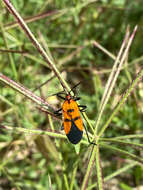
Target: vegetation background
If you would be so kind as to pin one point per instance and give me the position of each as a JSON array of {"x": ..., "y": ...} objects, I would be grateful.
[{"x": 68, "y": 29}]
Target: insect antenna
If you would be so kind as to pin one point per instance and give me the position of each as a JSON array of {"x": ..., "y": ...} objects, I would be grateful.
[{"x": 75, "y": 86}]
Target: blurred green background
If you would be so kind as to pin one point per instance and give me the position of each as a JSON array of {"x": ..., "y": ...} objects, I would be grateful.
[{"x": 68, "y": 29}]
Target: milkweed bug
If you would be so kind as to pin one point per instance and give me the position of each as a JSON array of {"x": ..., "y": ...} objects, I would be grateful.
[{"x": 72, "y": 122}]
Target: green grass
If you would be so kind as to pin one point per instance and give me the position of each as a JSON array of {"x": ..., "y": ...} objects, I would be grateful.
[{"x": 68, "y": 42}]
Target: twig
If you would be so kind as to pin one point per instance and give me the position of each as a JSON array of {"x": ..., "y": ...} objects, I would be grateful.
[{"x": 36, "y": 43}]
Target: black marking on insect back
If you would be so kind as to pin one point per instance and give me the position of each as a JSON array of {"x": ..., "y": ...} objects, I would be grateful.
[
  {"x": 67, "y": 120},
  {"x": 76, "y": 118},
  {"x": 74, "y": 135},
  {"x": 76, "y": 98},
  {"x": 70, "y": 110}
]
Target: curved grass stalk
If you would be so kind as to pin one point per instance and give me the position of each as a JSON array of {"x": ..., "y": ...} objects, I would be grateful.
[
  {"x": 131, "y": 144},
  {"x": 129, "y": 136},
  {"x": 99, "y": 170}
]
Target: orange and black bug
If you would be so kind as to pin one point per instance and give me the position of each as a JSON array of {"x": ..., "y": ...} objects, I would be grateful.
[{"x": 72, "y": 122}]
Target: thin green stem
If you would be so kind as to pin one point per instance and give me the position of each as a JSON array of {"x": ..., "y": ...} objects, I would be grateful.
[
  {"x": 123, "y": 152},
  {"x": 31, "y": 131},
  {"x": 73, "y": 177},
  {"x": 66, "y": 182},
  {"x": 124, "y": 142},
  {"x": 35, "y": 132},
  {"x": 10, "y": 58},
  {"x": 127, "y": 137},
  {"x": 89, "y": 168},
  {"x": 99, "y": 170}
]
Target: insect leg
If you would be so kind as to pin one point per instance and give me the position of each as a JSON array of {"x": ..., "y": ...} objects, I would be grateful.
[
  {"x": 62, "y": 127},
  {"x": 74, "y": 86},
  {"x": 88, "y": 136},
  {"x": 61, "y": 96},
  {"x": 83, "y": 108},
  {"x": 76, "y": 98},
  {"x": 57, "y": 112}
]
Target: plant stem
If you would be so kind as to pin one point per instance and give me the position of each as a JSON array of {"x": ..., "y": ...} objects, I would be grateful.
[{"x": 36, "y": 43}]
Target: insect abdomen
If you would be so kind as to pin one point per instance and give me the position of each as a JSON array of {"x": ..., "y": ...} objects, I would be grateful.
[{"x": 74, "y": 135}]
